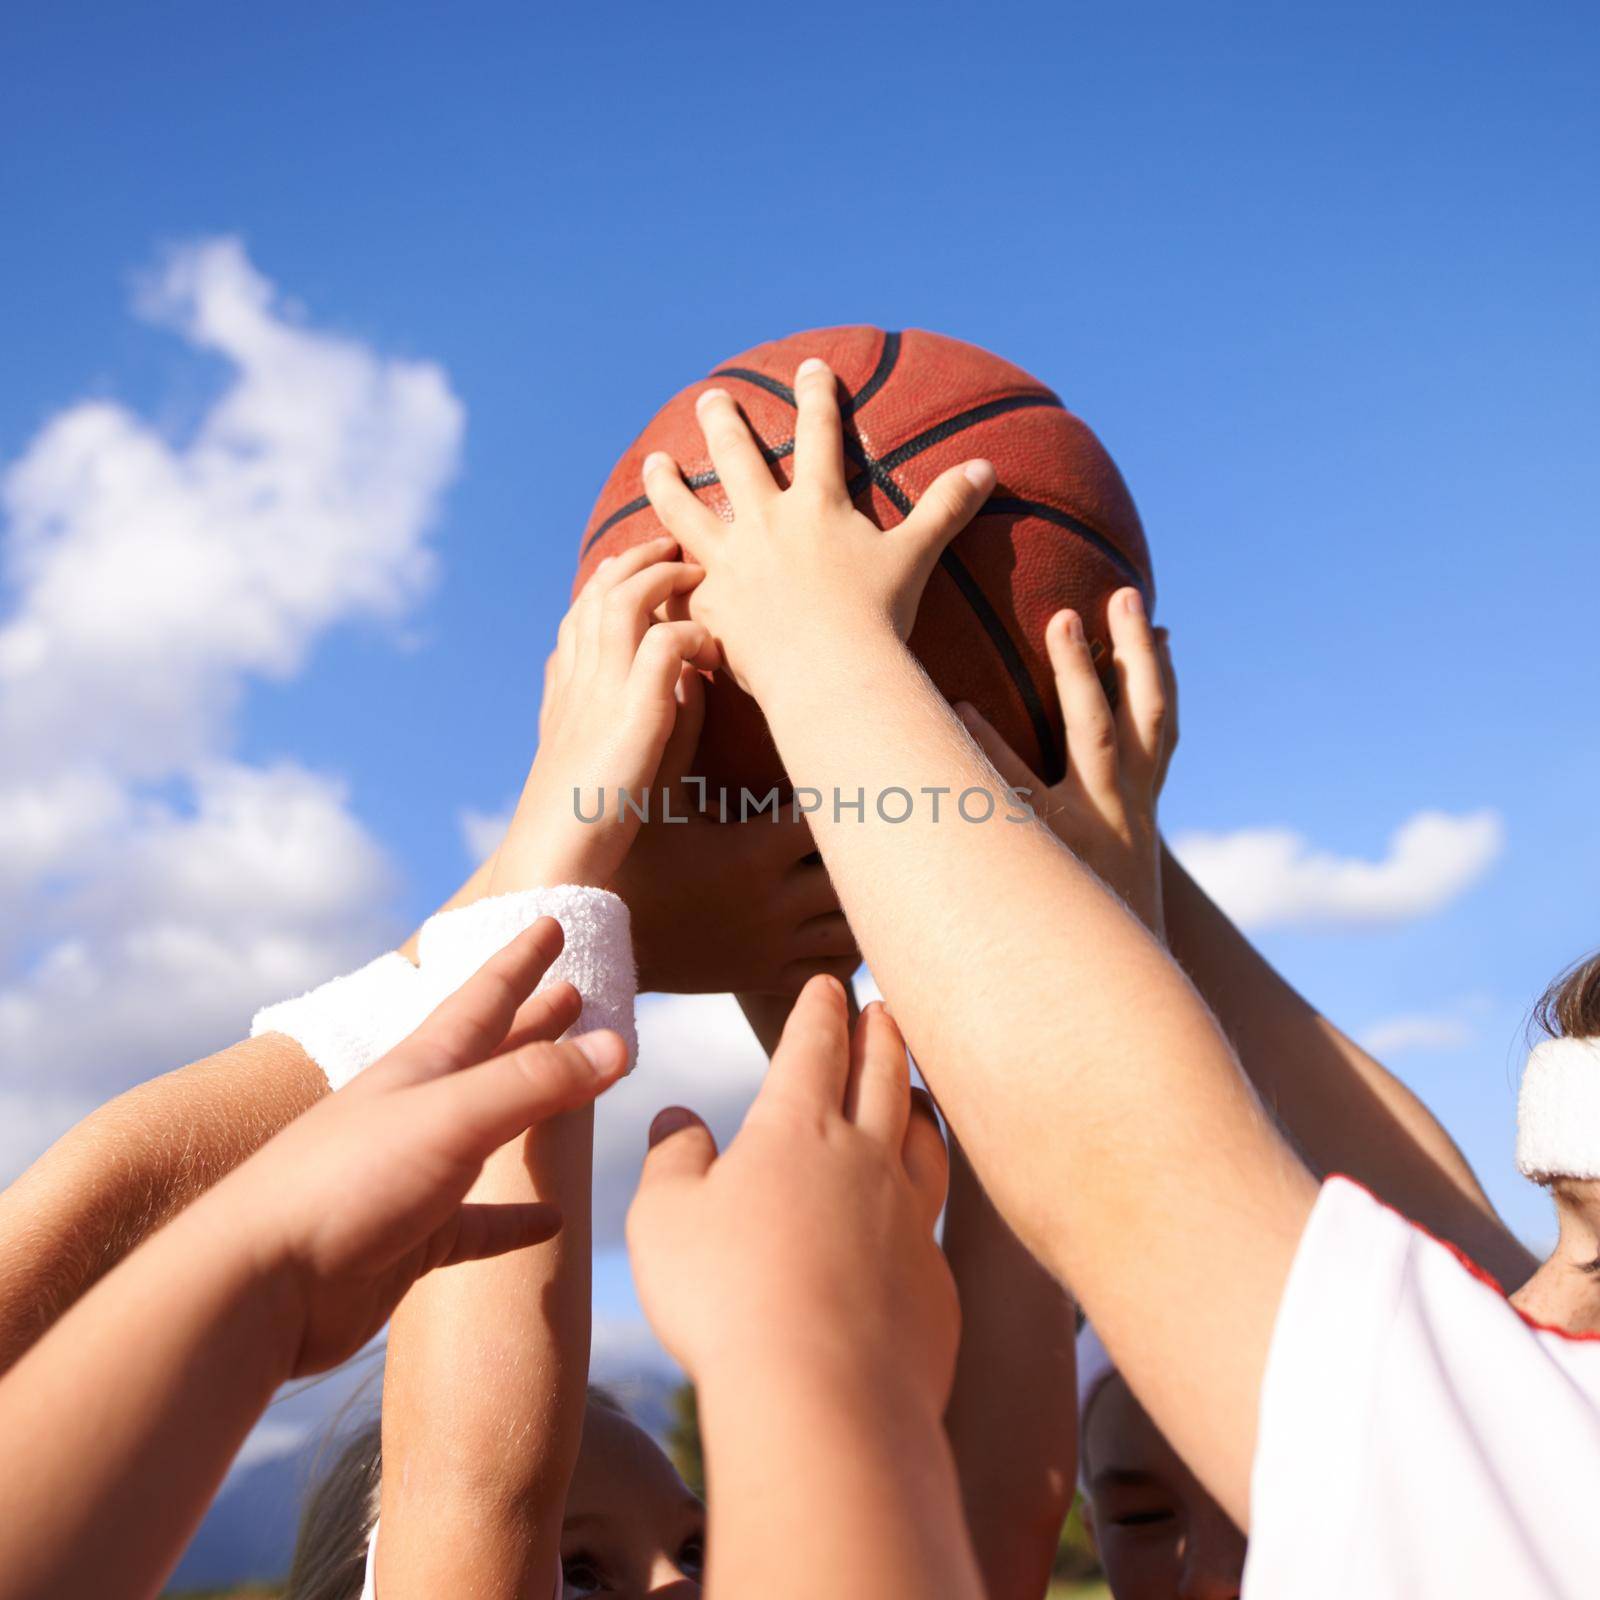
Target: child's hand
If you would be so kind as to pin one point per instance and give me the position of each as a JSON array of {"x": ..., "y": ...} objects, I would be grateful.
[
  {"x": 811, "y": 1240},
  {"x": 801, "y": 565},
  {"x": 737, "y": 907},
  {"x": 361, "y": 1195},
  {"x": 1104, "y": 809},
  {"x": 609, "y": 705}
]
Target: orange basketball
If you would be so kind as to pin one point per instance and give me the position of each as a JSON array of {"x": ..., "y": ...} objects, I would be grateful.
[{"x": 1059, "y": 530}]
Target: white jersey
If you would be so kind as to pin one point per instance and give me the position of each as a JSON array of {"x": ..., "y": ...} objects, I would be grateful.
[{"x": 1418, "y": 1436}]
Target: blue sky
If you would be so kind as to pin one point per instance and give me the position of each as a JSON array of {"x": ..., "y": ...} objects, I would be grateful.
[{"x": 1323, "y": 282}]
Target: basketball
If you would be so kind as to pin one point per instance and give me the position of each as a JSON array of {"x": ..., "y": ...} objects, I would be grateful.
[{"x": 1059, "y": 530}]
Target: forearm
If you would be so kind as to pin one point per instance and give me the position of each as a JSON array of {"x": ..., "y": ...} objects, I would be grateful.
[
  {"x": 484, "y": 1392},
  {"x": 132, "y": 1165},
  {"x": 1060, "y": 1039},
  {"x": 1012, "y": 1418},
  {"x": 129, "y": 1412},
  {"x": 851, "y": 1469},
  {"x": 1343, "y": 1109}
]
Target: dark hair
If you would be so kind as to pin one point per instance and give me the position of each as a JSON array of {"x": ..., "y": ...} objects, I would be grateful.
[
  {"x": 330, "y": 1551},
  {"x": 1570, "y": 1007}
]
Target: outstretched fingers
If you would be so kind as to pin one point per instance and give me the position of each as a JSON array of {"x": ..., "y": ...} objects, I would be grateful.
[
  {"x": 681, "y": 512},
  {"x": 947, "y": 505},
  {"x": 878, "y": 1099},
  {"x": 476, "y": 1112},
  {"x": 1086, "y": 713},
  {"x": 1142, "y": 704},
  {"x": 811, "y": 1065},
  {"x": 471, "y": 1024},
  {"x": 818, "y": 430},
  {"x": 734, "y": 450},
  {"x": 926, "y": 1156}
]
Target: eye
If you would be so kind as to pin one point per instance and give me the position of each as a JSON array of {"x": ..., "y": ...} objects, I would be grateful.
[
  {"x": 580, "y": 1576},
  {"x": 1155, "y": 1518},
  {"x": 691, "y": 1556}
]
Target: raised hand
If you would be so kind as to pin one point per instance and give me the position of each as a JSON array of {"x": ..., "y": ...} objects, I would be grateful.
[
  {"x": 1104, "y": 807},
  {"x": 810, "y": 1242},
  {"x": 611, "y": 699},
  {"x": 801, "y": 561},
  {"x": 361, "y": 1195}
]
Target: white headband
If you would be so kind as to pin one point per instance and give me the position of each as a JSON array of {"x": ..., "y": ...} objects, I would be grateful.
[{"x": 1558, "y": 1111}]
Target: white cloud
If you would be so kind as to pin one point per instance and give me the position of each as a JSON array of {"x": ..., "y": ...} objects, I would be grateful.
[
  {"x": 152, "y": 576},
  {"x": 1416, "y": 1031},
  {"x": 158, "y": 889},
  {"x": 1273, "y": 877},
  {"x": 695, "y": 1051},
  {"x": 182, "y": 924},
  {"x": 482, "y": 831}
]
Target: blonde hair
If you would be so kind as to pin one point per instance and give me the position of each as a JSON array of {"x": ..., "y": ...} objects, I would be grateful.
[{"x": 330, "y": 1551}]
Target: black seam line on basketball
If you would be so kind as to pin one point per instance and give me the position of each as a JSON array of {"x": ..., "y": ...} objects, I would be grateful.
[
  {"x": 878, "y": 472},
  {"x": 1052, "y": 763},
  {"x": 698, "y": 480},
  {"x": 1063, "y": 519},
  {"x": 887, "y": 357},
  {"x": 959, "y": 423},
  {"x": 760, "y": 380},
  {"x": 989, "y": 620}
]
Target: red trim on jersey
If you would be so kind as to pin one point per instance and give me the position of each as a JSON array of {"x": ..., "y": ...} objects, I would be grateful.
[{"x": 1488, "y": 1279}]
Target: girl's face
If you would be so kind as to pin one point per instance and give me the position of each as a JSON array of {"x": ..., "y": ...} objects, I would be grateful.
[
  {"x": 631, "y": 1529},
  {"x": 1159, "y": 1534},
  {"x": 1565, "y": 1291}
]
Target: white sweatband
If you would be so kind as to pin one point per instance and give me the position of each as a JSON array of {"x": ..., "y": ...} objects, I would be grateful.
[
  {"x": 1095, "y": 1366},
  {"x": 596, "y": 958},
  {"x": 1558, "y": 1111},
  {"x": 346, "y": 1024}
]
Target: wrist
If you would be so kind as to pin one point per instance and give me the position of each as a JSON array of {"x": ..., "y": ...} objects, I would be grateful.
[
  {"x": 258, "y": 1283},
  {"x": 797, "y": 672},
  {"x": 801, "y": 1370}
]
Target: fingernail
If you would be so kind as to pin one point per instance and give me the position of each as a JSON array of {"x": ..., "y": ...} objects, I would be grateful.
[
  {"x": 1074, "y": 627},
  {"x": 1133, "y": 602},
  {"x": 601, "y": 1050},
  {"x": 709, "y": 394},
  {"x": 980, "y": 474},
  {"x": 671, "y": 1120},
  {"x": 965, "y": 710},
  {"x": 809, "y": 365},
  {"x": 656, "y": 458}
]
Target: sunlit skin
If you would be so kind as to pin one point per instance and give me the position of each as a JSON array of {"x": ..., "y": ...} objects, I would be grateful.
[
  {"x": 1565, "y": 1291},
  {"x": 631, "y": 1527},
  {"x": 1159, "y": 1534}
]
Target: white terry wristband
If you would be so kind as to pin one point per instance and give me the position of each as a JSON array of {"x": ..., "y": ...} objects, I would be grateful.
[
  {"x": 347, "y": 1023},
  {"x": 596, "y": 959}
]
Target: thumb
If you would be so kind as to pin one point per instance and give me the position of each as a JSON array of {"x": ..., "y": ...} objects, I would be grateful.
[
  {"x": 947, "y": 505},
  {"x": 681, "y": 1148}
]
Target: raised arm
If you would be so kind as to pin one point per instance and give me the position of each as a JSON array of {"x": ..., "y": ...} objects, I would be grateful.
[
  {"x": 1098, "y": 1099},
  {"x": 487, "y": 1368},
  {"x": 129, "y": 1411},
  {"x": 797, "y": 1280},
  {"x": 1345, "y": 1110}
]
